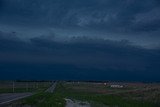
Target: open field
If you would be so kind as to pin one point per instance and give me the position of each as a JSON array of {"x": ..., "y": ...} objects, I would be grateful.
[
  {"x": 23, "y": 86},
  {"x": 97, "y": 95},
  {"x": 11, "y": 91}
]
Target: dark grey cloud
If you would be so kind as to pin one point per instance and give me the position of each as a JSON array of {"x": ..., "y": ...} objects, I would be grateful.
[
  {"x": 104, "y": 38},
  {"x": 78, "y": 57},
  {"x": 119, "y": 16}
]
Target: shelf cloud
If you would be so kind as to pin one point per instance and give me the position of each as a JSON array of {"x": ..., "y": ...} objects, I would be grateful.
[{"x": 80, "y": 39}]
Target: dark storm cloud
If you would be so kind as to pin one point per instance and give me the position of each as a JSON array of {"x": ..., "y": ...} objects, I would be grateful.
[
  {"x": 80, "y": 56},
  {"x": 148, "y": 21},
  {"x": 119, "y": 16}
]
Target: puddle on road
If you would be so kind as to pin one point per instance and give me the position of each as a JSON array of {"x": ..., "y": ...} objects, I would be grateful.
[{"x": 75, "y": 103}]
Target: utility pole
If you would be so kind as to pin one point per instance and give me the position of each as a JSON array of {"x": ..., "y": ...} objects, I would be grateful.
[
  {"x": 27, "y": 86},
  {"x": 37, "y": 85},
  {"x": 13, "y": 87}
]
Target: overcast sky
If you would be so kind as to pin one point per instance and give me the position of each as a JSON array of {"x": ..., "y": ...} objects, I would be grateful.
[{"x": 80, "y": 39}]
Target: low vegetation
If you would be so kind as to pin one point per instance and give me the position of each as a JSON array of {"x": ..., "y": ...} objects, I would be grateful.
[
  {"x": 95, "y": 95},
  {"x": 23, "y": 86},
  {"x": 105, "y": 99}
]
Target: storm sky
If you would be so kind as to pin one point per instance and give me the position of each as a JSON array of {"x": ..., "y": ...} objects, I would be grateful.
[{"x": 80, "y": 39}]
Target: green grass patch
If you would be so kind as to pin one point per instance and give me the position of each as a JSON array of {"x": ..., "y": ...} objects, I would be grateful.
[
  {"x": 44, "y": 100},
  {"x": 21, "y": 87},
  {"x": 17, "y": 90},
  {"x": 62, "y": 91},
  {"x": 110, "y": 100}
]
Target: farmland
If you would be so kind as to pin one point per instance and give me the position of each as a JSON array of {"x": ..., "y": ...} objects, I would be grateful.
[
  {"x": 23, "y": 86},
  {"x": 97, "y": 94}
]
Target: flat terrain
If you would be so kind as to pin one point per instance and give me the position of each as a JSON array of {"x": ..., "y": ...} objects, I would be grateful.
[
  {"x": 52, "y": 88},
  {"x": 11, "y": 91},
  {"x": 23, "y": 86},
  {"x": 10, "y": 97},
  {"x": 95, "y": 94}
]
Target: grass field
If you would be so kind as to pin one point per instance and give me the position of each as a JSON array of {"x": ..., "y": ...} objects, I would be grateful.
[
  {"x": 98, "y": 95},
  {"x": 22, "y": 86}
]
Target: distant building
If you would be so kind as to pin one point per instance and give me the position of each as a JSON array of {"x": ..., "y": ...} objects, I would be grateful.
[
  {"x": 105, "y": 83},
  {"x": 116, "y": 86}
]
